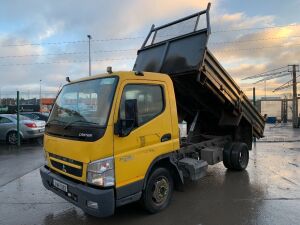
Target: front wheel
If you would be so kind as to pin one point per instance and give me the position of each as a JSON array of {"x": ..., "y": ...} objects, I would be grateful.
[{"x": 159, "y": 190}]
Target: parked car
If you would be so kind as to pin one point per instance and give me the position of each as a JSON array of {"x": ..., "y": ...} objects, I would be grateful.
[
  {"x": 28, "y": 128},
  {"x": 36, "y": 115}
]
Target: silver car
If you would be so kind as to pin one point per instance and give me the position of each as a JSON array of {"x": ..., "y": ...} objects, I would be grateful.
[{"x": 28, "y": 128}]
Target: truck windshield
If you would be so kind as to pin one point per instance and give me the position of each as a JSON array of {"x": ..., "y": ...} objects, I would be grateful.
[{"x": 84, "y": 102}]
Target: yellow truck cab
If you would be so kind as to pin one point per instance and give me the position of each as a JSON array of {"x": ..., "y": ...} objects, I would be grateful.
[
  {"x": 92, "y": 155},
  {"x": 114, "y": 138}
]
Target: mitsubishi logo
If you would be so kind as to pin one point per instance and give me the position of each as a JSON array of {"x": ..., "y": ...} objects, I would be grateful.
[{"x": 64, "y": 168}]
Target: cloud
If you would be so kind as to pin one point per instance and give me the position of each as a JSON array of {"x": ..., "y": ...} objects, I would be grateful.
[
  {"x": 251, "y": 52},
  {"x": 50, "y": 31},
  {"x": 57, "y": 21},
  {"x": 96, "y": 16},
  {"x": 247, "y": 50},
  {"x": 139, "y": 14},
  {"x": 241, "y": 21}
]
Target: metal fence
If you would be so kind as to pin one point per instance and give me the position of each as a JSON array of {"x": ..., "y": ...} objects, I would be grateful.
[
  {"x": 280, "y": 108},
  {"x": 28, "y": 100}
]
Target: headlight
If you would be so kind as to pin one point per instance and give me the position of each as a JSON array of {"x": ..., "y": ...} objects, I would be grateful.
[{"x": 101, "y": 172}]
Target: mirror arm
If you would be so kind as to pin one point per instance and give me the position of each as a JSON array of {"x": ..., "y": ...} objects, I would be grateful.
[{"x": 117, "y": 128}]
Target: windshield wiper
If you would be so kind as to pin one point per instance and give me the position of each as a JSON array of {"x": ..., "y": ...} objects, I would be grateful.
[{"x": 80, "y": 121}]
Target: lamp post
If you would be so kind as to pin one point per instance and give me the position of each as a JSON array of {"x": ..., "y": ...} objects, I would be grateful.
[{"x": 89, "y": 37}]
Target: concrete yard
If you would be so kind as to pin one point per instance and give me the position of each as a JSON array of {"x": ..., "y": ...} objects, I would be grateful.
[{"x": 268, "y": 192}]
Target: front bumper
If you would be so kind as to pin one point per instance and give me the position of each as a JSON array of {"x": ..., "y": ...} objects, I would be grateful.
[{"x": 79, "y": 194}]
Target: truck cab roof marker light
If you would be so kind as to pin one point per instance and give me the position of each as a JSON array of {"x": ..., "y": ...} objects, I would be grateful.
[
  {"x": 109, "y": 70},
  {"x": 139, "y": 73}
]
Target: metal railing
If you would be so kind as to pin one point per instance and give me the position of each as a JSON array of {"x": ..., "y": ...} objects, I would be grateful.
[{"x": 180, "y": 27}]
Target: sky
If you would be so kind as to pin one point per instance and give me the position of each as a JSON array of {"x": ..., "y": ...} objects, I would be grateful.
[{"x": 47, "y": 40}]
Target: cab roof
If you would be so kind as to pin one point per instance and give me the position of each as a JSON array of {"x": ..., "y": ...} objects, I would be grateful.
[{"x": 128, "y": 75}]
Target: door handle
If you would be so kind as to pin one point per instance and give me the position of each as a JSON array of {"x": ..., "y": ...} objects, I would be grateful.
[{"x": 165, "y": 137}]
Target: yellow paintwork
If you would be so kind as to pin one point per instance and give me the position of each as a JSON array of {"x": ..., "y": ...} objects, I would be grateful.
[{"x": 133, "y": 154}]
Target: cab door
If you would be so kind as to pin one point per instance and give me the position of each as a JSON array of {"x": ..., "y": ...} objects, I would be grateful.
[{"x": 151, "y": 136}]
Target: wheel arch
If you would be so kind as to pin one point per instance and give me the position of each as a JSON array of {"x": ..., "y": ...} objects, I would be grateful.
[
  {"x": 167, "y": 161},
  {"x": 244, "y": 133}
]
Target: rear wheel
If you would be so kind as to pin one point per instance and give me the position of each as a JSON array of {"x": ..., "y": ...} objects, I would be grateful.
[
  {"x": 240, "y": 156},
  {"x": 227, "y": 156},
  {"x": 12, "y": 138},
  {"x": 159, "y": 190},
  {"x": 236, "y": 156}
]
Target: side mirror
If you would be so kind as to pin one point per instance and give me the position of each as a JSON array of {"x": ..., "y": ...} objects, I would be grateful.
[{"x": 124, "y": 126}]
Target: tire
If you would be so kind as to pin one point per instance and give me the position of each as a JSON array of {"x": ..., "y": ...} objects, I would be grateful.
[
  {"x": 158, "y": 191},
  {"x": 239, "y": 156},
  {"x": 227, "y": 156},
  {"x": 12, "y": 138}
]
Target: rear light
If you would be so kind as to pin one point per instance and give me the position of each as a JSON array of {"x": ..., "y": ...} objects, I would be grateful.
[{"x": 31, "y": 125}]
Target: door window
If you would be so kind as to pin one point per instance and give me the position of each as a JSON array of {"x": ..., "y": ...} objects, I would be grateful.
[
  {"x": 4, "y": 120},
  {"x": 150, "y": 101}
]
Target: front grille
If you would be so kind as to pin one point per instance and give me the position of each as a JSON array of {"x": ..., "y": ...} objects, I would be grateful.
[
  {"x": 65, "y": 159},
  {"x": 66, "y": 168}
]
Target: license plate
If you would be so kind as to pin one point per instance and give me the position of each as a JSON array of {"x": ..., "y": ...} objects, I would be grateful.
[
  {"x": 41, "y": 130},
  {"x": 60, "y": 185}
]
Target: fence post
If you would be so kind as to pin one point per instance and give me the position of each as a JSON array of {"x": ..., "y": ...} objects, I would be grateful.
[{"x": 18, "y": 119}]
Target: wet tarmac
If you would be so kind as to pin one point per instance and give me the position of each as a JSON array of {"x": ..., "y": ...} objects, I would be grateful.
[
  {"x": 268, "y": 192},
  {"x": 16, "y": 162}
]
